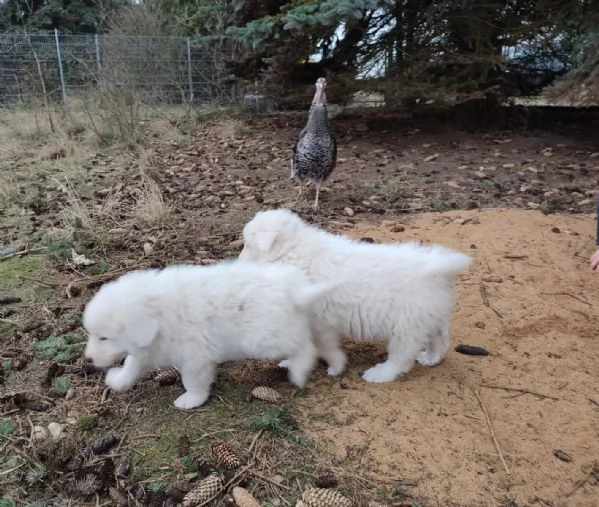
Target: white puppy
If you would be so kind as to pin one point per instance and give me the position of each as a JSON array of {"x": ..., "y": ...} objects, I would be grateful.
[
  {"x": 402, "y": 292},
  {"x": 194, "y": 317}
]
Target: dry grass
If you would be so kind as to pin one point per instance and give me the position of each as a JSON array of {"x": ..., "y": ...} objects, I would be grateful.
[
  {"x": 22, "y": 131},
  {"x": 240, "y": 130},
  {"x": 173, "y": 124},
  {"x": 67, "y": 154},
  {"x": 151, "y": 210},
  {"x": 30, "y": 142},
  {"x": 77, "y": 214},
  {"x": 228, "y": 128},
  {"x": 149, "y": 164},
  {"x": 23, "y": 122},
  {"x": 7, "y": 188}
]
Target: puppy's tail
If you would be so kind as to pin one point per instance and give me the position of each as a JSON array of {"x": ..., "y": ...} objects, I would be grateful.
[
  {"x": 443, "y": 261},
  {"x": 305, "y": 297}
]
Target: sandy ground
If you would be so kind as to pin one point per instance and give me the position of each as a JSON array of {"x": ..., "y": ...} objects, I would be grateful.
[{"x": 528, "y": 299}]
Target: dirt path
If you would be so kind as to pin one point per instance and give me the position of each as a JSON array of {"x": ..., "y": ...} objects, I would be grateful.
[{"x": 529, "y": 299}]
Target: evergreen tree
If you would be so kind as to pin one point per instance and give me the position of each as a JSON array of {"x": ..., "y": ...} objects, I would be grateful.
[
  {"x": 580, "y": 86},
  {"x": 419, "y": 47},
  {"x": 68, "y": 16}
]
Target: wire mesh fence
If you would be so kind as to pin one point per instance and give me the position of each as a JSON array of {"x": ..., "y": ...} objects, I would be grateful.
[{"x": 61, "y": 67}]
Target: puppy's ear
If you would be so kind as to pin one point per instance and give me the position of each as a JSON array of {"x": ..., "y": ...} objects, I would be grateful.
[
  {"x": 266, "y": 241},
  {"x": 145, "y": 330}
]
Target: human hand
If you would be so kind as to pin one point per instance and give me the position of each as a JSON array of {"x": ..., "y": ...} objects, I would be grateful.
[{"x": 595, "y": 260}]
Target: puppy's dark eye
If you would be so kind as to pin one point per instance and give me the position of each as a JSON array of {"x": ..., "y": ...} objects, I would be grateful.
[{"x": 103, "y": 338}]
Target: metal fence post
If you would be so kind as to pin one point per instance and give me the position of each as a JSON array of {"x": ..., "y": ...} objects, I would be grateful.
[
  {"x": 98, "y": 61},
  {"x": 189, "y": 70},
  {"x": 62, "y": 84}
]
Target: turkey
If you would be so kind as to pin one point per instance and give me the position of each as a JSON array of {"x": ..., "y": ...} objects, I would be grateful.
[{"x": 315, "y": 153}]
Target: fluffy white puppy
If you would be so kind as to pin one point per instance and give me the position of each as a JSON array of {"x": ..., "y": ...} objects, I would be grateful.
[
  {"x": 194, "y": 317},
  {"x": 401, "y": 292}
]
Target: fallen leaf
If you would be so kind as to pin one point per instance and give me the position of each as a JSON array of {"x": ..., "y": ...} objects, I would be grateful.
[{"x": 80, "y": 260}]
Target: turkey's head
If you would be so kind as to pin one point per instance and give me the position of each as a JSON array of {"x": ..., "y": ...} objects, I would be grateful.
[{"x": 319, "y": 96}]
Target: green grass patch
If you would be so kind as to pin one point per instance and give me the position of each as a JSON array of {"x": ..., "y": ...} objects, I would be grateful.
[
  {"x": 13, "y": 281},
  {"x": 43, "y": 173},
  {"x": 99, "y": 268},
  {"x": 155, "y": 486},
  {"x": 11, "y": 271},
  {"x": 157, "y": 454},
  {"x": 189, "y": 464},
  {"x": 58, "y": 249},
  {"x": 59, "y": 348},
  {"x": 547, "y": 208},
  {"x": 87, "y": 422},
  {"x": 227, "y": 416},
  {"x": 61, "y": 383},
  {"x": 279, "y": 421},
  {"x": 7, "y": 428}
]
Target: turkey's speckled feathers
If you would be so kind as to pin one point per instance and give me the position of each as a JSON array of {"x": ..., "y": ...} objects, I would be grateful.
[{"x": 315, "y": 153}]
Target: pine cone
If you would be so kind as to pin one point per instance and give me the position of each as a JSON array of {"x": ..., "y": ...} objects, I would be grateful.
[
  {"x": 83, "y": 366},
  {"x": 326, "y": 481},
  {"x": 272, "y": 375},
  {"x": 167, "y": 376},
  {"x": 243, "y": 498},
  {"x": 29, "y": 401},
  {"x": 101, "y": 445},
  {"x": 223, "y": 452},
  {"x": 318, "y": 497},
  {"x": 205, "y": 490},
  {"x": 299, "y": 503},
  {"x": 267, "y": 394}
]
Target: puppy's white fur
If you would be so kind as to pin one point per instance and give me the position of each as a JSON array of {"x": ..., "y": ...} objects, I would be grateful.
[
  {"x": 194, "y": 317},
  {"x": 401, "y": 292}
]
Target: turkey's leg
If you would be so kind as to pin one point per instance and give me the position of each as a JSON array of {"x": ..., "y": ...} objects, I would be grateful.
[
  {"x": 300, "y": 192},
  {"x": 317, "y": 194}
]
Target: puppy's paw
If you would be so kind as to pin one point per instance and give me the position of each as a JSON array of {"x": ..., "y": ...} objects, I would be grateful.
[
  {"x": 119, "y": 380},
  {"x": 335, "y": 371},
  {"x": 428, "y": 358},
  {"x": 383, "y": 372},
  {"x": 191, "y": 400},
  {"x": 284, "y": 364},
  {"x": 298, "y": 378},
  {"x": 336, "y": 365}
]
